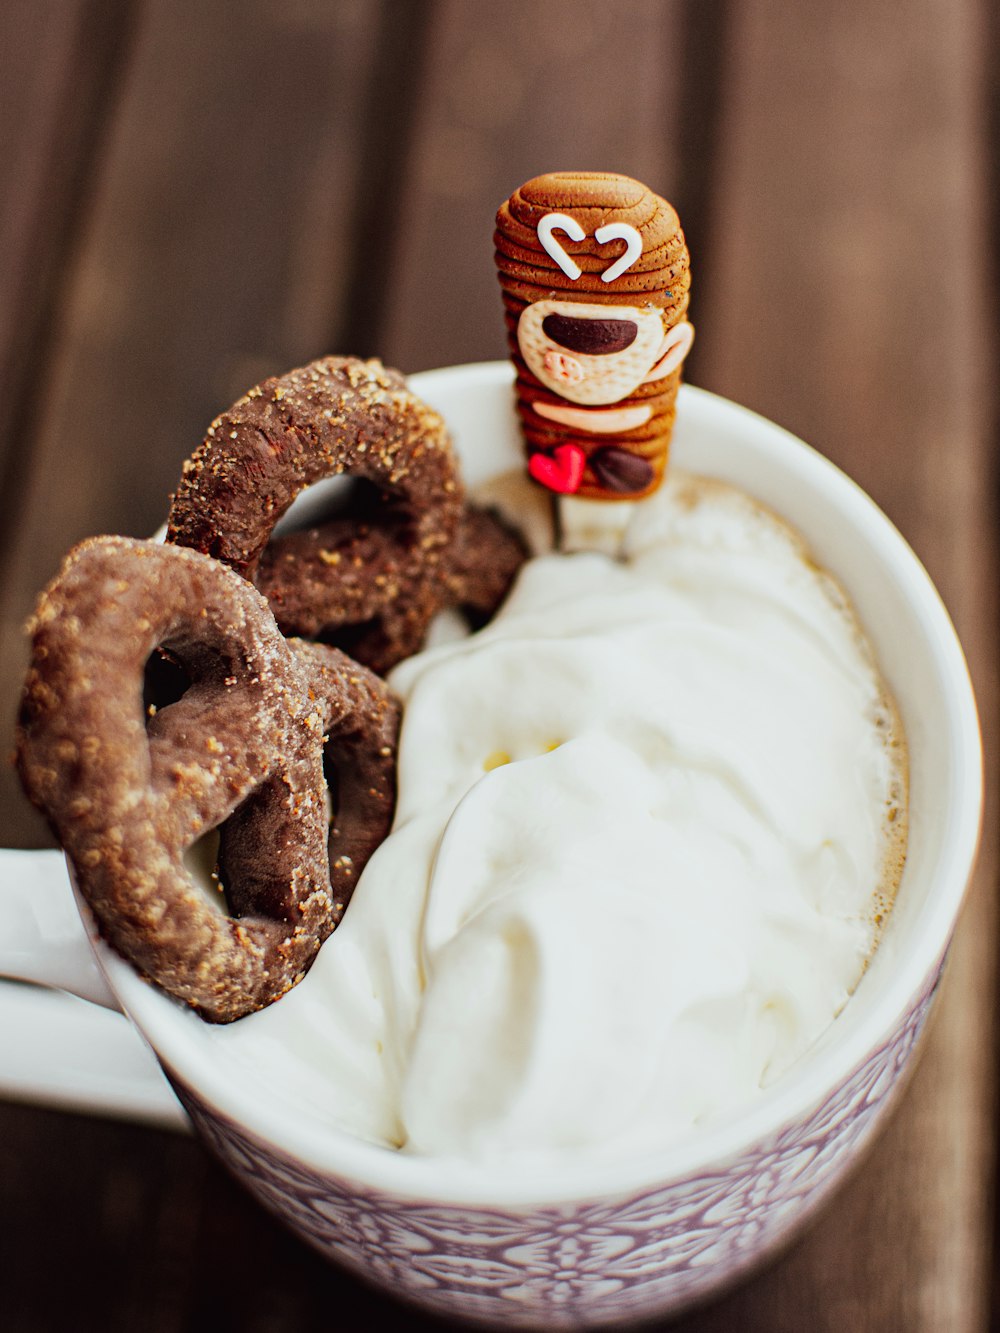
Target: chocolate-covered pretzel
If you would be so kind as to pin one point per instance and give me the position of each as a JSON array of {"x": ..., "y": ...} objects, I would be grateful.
[
  {"x": 371, "y": 583},
  {"x": 128, "y": 790}
]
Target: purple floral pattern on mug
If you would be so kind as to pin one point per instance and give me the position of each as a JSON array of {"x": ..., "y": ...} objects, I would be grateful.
[{"x": 582, "y": 1263}]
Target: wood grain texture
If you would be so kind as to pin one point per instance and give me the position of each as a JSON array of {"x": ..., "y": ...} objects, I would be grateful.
[
  {"x": 522, "y": 89},
  {"x": 132, "y": 1229},
  {"x": 62, "y": 61},
  {"x": 845, "y": 298}
]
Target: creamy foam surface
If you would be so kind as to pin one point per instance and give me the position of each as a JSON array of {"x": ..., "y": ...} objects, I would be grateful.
[{"x": 649, "y": 821}]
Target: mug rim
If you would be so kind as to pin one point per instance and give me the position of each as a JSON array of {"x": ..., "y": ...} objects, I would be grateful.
[{"x": 334, "y": 1151}]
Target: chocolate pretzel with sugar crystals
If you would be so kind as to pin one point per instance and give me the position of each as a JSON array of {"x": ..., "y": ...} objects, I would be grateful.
[
  {"x": 371, "y": 582},
  {"x": 129, "y": 790}
]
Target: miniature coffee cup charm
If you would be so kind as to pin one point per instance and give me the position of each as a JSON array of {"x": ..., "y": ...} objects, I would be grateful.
[{"x": 595, "y": 276}]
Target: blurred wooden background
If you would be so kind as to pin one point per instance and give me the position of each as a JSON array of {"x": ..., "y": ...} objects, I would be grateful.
[{"x": 194, "y": 195}]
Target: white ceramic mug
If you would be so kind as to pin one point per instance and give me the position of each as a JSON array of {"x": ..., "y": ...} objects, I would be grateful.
[{"x": 599, "y": 1243}]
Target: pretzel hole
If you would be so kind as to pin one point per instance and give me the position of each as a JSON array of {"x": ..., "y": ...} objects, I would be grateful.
[
  {"x": 184, "y": 665},
  {"x": 165, "y": 682},
  {"x": 345, "y": 821},
  {"x": 257, "y": 856},
  {"x": 475, "y": 617},
  {"x": 201, "y": 861},
  {"x": 353, "y": 500},
  {"x": 331, "y": 776},
  {"x": 217, "y": 863}
]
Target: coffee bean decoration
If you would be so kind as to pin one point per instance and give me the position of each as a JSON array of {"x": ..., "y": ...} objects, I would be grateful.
[{"x": 619, "y": 471}]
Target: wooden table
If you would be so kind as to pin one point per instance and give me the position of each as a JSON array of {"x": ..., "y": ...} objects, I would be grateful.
[{"x": 196, "y": 195}]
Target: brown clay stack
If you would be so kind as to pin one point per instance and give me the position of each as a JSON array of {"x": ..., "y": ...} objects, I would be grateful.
[{"x": 595, "y": 276}]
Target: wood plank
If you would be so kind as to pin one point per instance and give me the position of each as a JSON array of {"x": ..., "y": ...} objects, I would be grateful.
[
  {"x": 524, "y": 89},
  {"x": 216, "y": 250},
  {"x": 845, "y": 298},
  {"x": 100, "y": 1198},
  {"x": 146, "y": 1232},
  {"x": 61, "y": 68}
]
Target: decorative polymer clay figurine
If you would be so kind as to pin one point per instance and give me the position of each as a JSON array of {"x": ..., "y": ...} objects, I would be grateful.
[{"x": 595, "y": 276}]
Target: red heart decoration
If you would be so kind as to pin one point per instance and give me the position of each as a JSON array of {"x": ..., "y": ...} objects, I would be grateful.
[{"x": 560, "y": 471}]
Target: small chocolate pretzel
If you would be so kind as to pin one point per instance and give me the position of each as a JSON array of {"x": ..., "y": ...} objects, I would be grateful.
[
  {"x": 129, "y": 790},
  {"x": 372, "y": 583}
]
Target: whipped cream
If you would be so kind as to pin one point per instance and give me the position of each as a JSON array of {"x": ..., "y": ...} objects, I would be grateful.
[{"x": 648, "y": 822}]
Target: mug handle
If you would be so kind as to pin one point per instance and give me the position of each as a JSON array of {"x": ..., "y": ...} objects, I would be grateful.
[
  {"x": 42, "y": 938},
  {"x": 53, "y": 1049}
]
